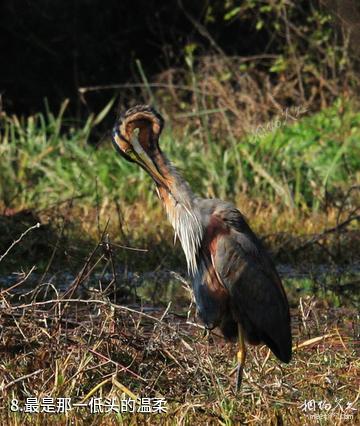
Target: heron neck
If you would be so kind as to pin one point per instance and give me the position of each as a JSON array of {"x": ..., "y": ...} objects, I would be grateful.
[{"x": 182, "y": 211}]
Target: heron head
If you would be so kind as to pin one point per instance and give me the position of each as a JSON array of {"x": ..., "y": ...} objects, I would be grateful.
[{"x": 136, "y": 137}]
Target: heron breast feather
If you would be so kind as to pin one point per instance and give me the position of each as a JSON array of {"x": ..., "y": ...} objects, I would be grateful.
[{"x": 215, "y": 230}]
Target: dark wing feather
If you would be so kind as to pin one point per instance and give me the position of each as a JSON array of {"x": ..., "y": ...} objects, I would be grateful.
[{"x": 258, "y": 299}]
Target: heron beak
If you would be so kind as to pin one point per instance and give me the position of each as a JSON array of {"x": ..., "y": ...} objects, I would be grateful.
[{"x": 146, "y": 162}]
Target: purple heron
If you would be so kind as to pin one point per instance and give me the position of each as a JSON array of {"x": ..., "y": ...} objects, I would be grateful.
[{"x": 235, "y": 283}]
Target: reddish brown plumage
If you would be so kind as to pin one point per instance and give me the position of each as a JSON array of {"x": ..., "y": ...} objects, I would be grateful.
[
  {"x": 234, "y": 280},
  {"x": 213, "y": 232}
]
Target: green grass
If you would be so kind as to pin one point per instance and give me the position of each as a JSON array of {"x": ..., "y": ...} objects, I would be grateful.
[
  {"x": 292, "y": 182},
  {"x": 46, "y": 159}
]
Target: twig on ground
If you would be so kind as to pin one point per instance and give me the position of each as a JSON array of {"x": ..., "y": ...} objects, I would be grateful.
[
  {"x": 20, "y": 379},
  {"x": 19, "y": 239},
  {"x": 328, "y": 231},
  {"x": 7, "y": 290}
]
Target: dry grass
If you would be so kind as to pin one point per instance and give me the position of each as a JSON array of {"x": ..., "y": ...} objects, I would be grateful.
[
  {"x": 328, "y": 235},
  {"x": 83, "y": 348},
  {"x": 69, "y": 231}
]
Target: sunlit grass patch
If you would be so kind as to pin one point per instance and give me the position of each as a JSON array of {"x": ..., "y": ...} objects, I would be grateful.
[{"x": 45, "y": 159}]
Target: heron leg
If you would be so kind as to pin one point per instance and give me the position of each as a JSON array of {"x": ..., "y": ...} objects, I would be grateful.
[
  {"x": 206, "y": 332},
  {"x": 241, "y": 356}
]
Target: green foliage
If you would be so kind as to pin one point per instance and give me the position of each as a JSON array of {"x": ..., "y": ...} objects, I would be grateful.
[
  {"x": 313, "y": 155},
  {"x": 45, "y": 160}
]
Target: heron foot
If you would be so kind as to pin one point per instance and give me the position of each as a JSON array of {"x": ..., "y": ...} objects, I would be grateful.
[
  {"x": 239, "y": 374},
  {"x": 206, "y": 332},
  {"x": 241, "y": 356}
]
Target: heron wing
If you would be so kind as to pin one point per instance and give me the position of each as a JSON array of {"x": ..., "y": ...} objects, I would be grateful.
[{"x": 258, "y": 299}]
